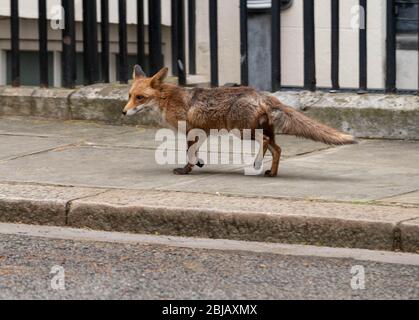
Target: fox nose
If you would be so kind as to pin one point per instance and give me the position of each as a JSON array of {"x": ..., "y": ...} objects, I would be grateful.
[{"x": 124, "y": 113}]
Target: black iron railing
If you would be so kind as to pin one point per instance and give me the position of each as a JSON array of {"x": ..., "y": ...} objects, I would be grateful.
[
  {"x": 43, "y": 43},
  {"x": 14, "y": 26},
  {"x": 104, "y": 31},
  {"x": 69, "y": 45},
  {"x": 97, "y": 70}
]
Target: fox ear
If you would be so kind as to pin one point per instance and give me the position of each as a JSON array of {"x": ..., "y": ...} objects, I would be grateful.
[
  {"x": 159, "y": 77},
  {"x": 138, "y": 72}
]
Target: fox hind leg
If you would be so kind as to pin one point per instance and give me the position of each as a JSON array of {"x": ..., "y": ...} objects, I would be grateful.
[
  {"x": 269, "y": 143},
  {"x": 276, "y": 154},
  {"x": 260, "y": 157}
]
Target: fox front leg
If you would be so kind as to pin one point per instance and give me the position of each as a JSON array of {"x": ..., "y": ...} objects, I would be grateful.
[
  {"x": 184, "y": 171},
  {"x": 189, "y": 167}
]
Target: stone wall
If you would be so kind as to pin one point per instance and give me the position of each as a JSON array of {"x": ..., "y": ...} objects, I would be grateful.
[{"x": 365, "y": 116}]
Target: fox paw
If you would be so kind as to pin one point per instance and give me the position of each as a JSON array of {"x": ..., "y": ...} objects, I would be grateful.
[
  {"x": 181, "y": 171},
  {"x": 270, "y": 174},
  {"x": 257, "y": 165}
]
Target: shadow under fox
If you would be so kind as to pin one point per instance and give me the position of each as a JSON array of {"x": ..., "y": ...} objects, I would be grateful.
[{"x": 226, "y": 108}]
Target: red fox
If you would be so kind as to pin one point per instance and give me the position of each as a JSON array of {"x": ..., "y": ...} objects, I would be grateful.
[{"x": 226, "y": 108}]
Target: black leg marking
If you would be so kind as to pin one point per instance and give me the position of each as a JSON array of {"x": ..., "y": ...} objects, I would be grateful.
[{"x": 200, "y": 163}]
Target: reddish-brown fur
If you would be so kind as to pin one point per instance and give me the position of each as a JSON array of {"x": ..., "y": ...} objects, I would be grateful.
[{"x": 228, "y": 108}]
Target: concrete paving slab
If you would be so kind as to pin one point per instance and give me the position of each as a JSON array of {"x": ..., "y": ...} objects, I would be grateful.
[
  {"x": 44, "y": 205},
  {"x": 385, "y": 153},
  {"x": 99, "y": 167},
  {"x": 253, "y": 219},
  {"x": 345, "y": 174}
]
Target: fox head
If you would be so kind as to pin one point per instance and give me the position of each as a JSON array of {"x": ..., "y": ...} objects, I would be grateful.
[{"x": 144, "y": 92}]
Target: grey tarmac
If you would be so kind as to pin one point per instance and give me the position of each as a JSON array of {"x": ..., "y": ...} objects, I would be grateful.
[{"x": 107, "y": 265}]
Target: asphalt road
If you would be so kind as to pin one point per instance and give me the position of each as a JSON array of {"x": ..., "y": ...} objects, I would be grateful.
[{"x": 105, "y": 268}]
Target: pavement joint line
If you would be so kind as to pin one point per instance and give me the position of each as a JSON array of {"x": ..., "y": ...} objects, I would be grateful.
[
  {"x": 398, "y": 195},
  {"x": 318, "y": 152},
  {"x": 308, "y": 153},
  {"x": 407, "y": 220},
  {"x": 24, "y": 135},
  {"x": 85, "y": 235},
  {"x": 397, "y": 234},
  {"x": 70, "y": 202},
  {"x": 268, "y": 158},
  {"x": 50, "y": 136},
  {"x": 40, "y": 152},
  {"x": 37, "y": 184},
  {"x": 105, "y": 146}
]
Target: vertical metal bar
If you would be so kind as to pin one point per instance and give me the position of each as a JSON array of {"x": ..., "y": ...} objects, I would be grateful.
[
  {"x": 309, "y": 46},
  {"x": 391, "y": 48},
  {"x": 123, "y": 42},
  {"x": 335, "y": 45},
  {"x": 15, "y": 54},
  {"x": 244, "y": 43},
  {"x": 155, "y": 35},
  {"x": 43, "y": 43},
  {"x": 140, "y": 34},
  {"x": 192, "y": 35},
  {"x": 90, "y": 54},
  {"x": 69, "y": 45},
  {"x": 86, "y": 42},
  {"x": 181, "y": 71},
  {"x": 276, "y": 45},
  {"x": 417, "y": 7},
  {"x": 105, "y": 40},
  {"x": 94, "y": 58},
  {"x": 213, "y": 21},
  {"x": 174, "y": 34},
  {"x": 74, "y": 42},
  {"x": 363, "y": 77}
]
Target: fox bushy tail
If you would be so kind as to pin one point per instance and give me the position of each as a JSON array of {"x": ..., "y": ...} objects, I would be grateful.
[{"x": 297, "y": 124}]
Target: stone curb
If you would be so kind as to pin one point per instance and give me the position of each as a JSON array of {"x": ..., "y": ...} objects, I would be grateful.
[
  {"x": 409, "y": 231},
  {"x": 221, "y": 217},
  {"x": 365, "y": 116}
]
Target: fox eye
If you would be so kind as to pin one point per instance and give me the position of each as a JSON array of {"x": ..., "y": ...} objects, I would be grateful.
[{"x": 140, "y": 97}]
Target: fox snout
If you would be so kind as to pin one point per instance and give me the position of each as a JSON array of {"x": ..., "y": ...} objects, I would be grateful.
[
  {"x": 139, "y": 104},
  {"x": 131, "y": 109}
]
